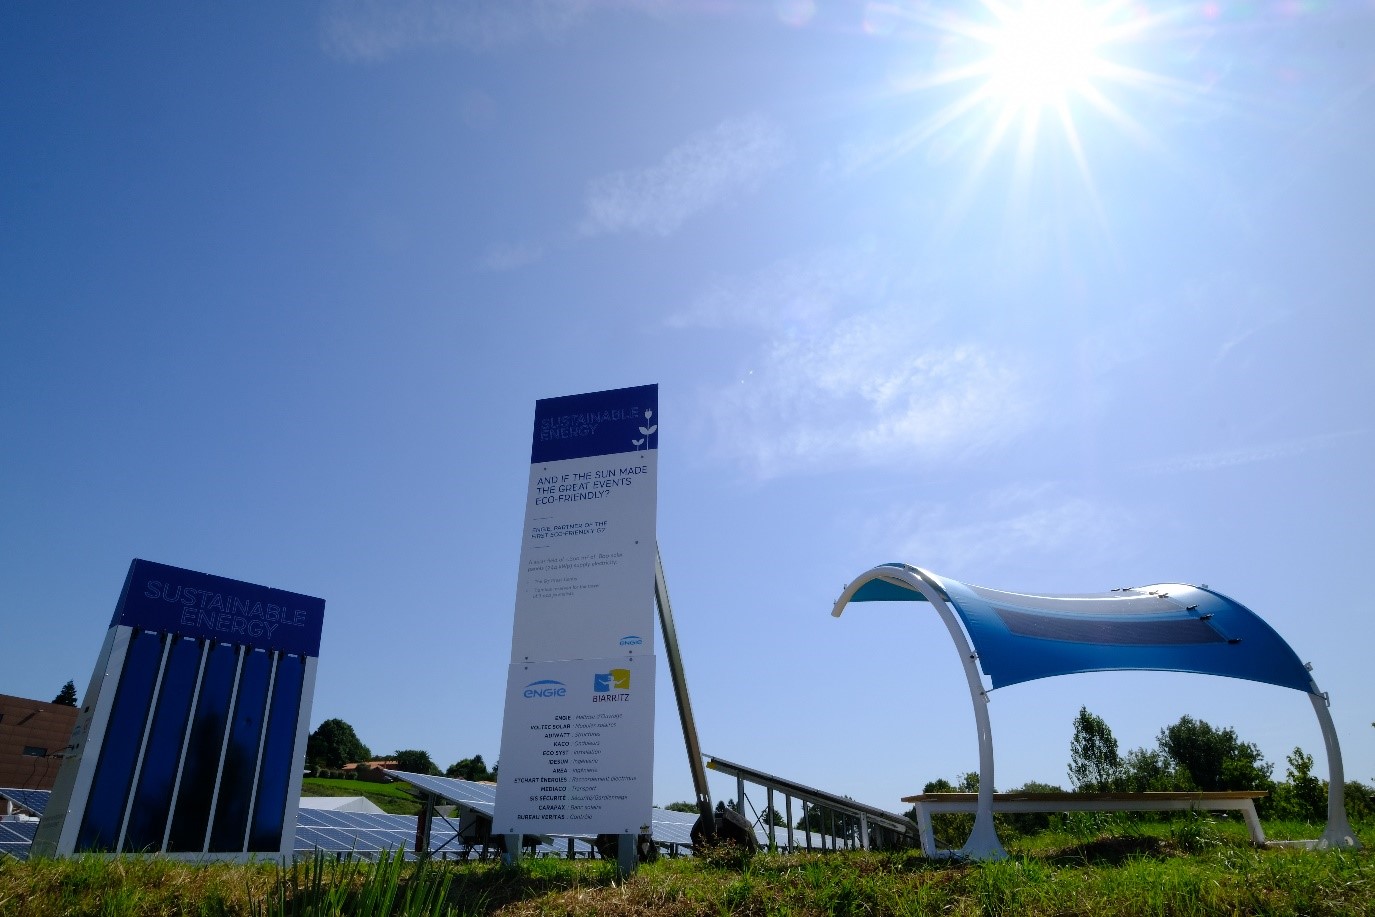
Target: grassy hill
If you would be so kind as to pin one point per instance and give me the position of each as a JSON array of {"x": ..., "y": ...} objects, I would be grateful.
[{"x": 1180, "y": 870}]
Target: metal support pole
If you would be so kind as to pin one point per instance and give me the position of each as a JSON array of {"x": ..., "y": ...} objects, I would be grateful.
[
  {"x": 1338, "y": 832},
  {"x": 768, "y": 813},
  {"x": 983, "y": 842},
  {"x": 512, "y": 855},
  {"x": 627, "y": 854},
  {"x": 675, "y": 669}
]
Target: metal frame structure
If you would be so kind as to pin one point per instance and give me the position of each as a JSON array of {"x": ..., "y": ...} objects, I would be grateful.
[
  {"x": 983, "y": 842},
  {"x": 872, "y": 821}
]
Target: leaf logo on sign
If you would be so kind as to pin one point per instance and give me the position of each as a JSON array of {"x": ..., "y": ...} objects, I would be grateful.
[{"x": 646, "y": 432}]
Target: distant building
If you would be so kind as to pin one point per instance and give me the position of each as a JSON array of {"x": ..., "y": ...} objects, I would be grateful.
[
  {"x": 34, "y": 735},
  {"x": 371, "y": 771}
]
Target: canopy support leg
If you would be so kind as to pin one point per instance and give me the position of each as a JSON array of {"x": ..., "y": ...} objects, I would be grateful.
[{"x": 1338, "y": 832}]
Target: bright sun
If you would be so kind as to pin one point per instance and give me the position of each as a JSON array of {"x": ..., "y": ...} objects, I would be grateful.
[
  {"x": 1043, "y": 52},
  {"x": 1016, "y": 70}
]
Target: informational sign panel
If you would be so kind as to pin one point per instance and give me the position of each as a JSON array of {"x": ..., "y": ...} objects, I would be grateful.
[
  {"x": 192, "y": 736},
  {"x": 577, "y": 741},
  {"x": 583, "y": 638}
]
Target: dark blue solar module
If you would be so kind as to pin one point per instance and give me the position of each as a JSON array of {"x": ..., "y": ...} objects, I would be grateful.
[
  {"x": 33, "y": 800},
  {"x": 16, "y": 837}
]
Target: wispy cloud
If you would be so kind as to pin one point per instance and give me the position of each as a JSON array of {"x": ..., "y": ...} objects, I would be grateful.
[
  {"x": 847, "y": 365},
  {"x": 731, "y": 157},
  {"x": 508, "y": 257},
  {"x": 1263, "y": 452},
  {"x": 791, "y": 294},
  {"x": 1010, "y": 528},
  {"x": 369, "y": 30}
]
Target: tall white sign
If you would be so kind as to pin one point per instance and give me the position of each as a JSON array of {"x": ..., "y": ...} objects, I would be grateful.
[{"x": 577, "y": 743}]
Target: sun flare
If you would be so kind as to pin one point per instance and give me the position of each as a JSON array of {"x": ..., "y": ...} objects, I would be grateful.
[
  {"x": 1043, "y": 52},
  {"x": 1047, "y": 80}
]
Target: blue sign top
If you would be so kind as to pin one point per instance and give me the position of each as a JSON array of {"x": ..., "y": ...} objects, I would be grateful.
[
  {"x": 172, "y": 600},
  {"x": 598, "y": 423}
]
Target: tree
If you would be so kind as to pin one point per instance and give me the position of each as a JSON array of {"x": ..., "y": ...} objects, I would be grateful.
[
  {"x": 415, "y": 761},
  {"x": 473, "y": 768},
  {"x": 1028, "y": 822},
  {"x": 1215, "y": 759},
  {"x": 822, "y": 820},
  {"x": 771, "y": 816},
  {"x": 682, "y": 807},
  {"x": 1150, "y": 770},
  {"x": 1302, "y": 796},
  {"x": 1094, "y": 764},
  {"x": 334, "y": 744},
  {"x": 951, "y": 828},
  {"x": 67, "y": 696}
]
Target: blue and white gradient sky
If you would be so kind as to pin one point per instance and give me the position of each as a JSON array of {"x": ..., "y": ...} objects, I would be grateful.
[{"x": 281, "y": 283}]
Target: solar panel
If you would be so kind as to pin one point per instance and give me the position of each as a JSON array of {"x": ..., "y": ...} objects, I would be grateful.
[
  {"x": 309, "y": 838},
  {"x": 670, "y": 827},
  {"x": 1101, "y": 603},
  {"x": 479, "y": 796},
  {"x": 309, "y": 817},
  {"x": 1073, "y": 629},
  {"x": 16, "y": 839},
  {"x": 368, "y": 834},
  {"x": 17, "y": 832},
  {"x": 33, "y": 800}
]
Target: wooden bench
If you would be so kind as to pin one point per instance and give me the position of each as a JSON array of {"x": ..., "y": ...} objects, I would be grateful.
[{"x": 1243, "y": 801}]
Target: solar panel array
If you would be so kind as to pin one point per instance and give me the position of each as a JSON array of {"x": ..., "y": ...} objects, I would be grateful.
[
  {"x": 481, "y": 797},
  {"x": 33, "y": 800},
  {"x": 368, "y": 834},
  {"x": 16, "y": 837},
  {"x": 668, "y": 827}
]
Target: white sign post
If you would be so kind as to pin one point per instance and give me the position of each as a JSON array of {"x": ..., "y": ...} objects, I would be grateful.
[{"x": 577, "y": 742}]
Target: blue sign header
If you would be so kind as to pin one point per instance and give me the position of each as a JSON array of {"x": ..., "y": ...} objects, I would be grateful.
[
  {"x": 172, "y": 600},
  {"x": 597, "y": 423}
]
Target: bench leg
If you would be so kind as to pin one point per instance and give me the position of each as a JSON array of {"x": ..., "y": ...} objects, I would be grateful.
[
  {"x": 1253, "y": 825},
  {"x": 928, "y": 837}
]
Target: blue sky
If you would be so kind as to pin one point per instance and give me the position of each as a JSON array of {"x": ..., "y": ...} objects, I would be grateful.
[{"x": 280, "y": 285}]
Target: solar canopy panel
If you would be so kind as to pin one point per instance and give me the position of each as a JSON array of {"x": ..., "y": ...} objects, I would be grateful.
[
  {"x": 1171, "y": 627},
  {"x": 33, "y": 800}
]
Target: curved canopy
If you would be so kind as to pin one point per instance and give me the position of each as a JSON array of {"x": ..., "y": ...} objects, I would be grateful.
[{"x": 1168, "y": 627}]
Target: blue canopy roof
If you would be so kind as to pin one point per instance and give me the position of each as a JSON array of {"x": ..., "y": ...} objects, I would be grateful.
[{"x": 1168, "y": 627}]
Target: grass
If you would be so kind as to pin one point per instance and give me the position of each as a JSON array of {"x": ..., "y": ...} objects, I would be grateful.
[
  {"x": 1192, "y": 866},
  {"x": 390, "y": 797}
]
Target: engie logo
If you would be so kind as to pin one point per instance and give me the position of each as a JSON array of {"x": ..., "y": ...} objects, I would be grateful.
[
  {"x": 546, "y": 687},
  {"x": 615, "y": 680},
  {"x": 631, "y": 640}
]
